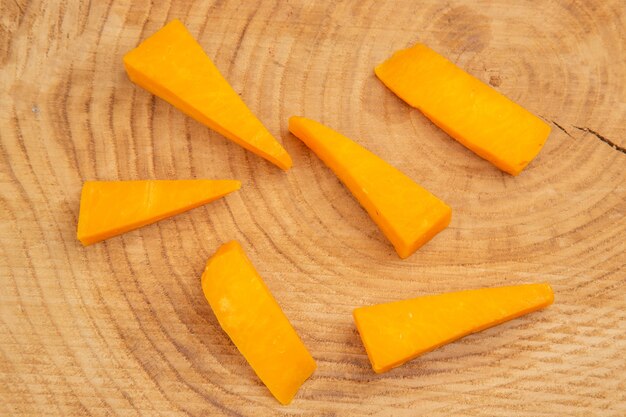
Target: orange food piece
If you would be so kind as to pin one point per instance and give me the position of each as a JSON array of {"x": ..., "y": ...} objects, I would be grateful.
[
  {"x": 406, "y": 213},
  {"x": 482, "y": 119},
  {"x": 110, "y": 208},
  {"x": 394, "y": 333},
  {"x": 173, "y": 66},
  {"x": 255, "y": 323}
]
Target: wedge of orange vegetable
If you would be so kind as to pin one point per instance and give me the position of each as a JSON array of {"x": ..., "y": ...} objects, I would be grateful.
[
  {"x": 255, "y": 323},
  {"x": 109, "y": 208},
  {"x": 173, "y": 66},
  {"x": 406, "y": 213},
  {"x": 482, "y": 119},
  {"x": 397, "y": 332}
]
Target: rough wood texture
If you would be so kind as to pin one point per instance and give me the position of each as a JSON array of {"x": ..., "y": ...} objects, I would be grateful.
[{"x": 122, "y": 328}]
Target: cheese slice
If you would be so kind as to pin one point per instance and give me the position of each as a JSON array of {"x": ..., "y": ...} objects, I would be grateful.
[
  {"x": 172, "y": 65},
  {"x": 255, "y": 323},
  {"x": 473, "y": 113},
  {"x": 406, "y": 213},
  {"x": 109, "y": 208},
  {"x": 394, "y": 333}
]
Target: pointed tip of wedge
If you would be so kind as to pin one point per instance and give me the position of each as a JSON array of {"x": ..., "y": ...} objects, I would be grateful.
[
  {"x": 83, "y": 240},
  {"x": 548, "y": 292},
  {"x": 233, "y": 185},
  {"x": 174, "y": 22},
  {"x": 231, "y": 244},
  {"x": 295, "y": 121},
  {"x": 378, "y": 69},
  {"x": 380, "y": 370},
  {"x": 284, "y": 161},
  {"x": 405, "y": 250}
]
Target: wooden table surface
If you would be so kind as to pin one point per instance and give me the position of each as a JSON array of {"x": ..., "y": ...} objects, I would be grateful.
[{"x": 122, "y": 328}]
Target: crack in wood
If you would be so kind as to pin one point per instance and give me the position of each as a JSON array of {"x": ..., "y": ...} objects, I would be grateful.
[
  {"x": 587, "y": 130},
  {"x": 561, "y": 128},
  {"x": 602, "y": 138}
]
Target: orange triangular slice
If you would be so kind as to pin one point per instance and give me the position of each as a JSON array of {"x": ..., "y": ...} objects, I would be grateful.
[
  {"x": 407, "y": 214},
  {"x": 255, "y": 323},
  {"x": 482, "y": 119},
  {"x": 110, "y": 208},
  {"x": 394, "y": 333},
  {"x": 173, "y": 66}
]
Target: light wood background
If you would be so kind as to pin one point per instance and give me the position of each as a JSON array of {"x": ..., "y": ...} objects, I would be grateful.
[{"x": 121, "y": 328}]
